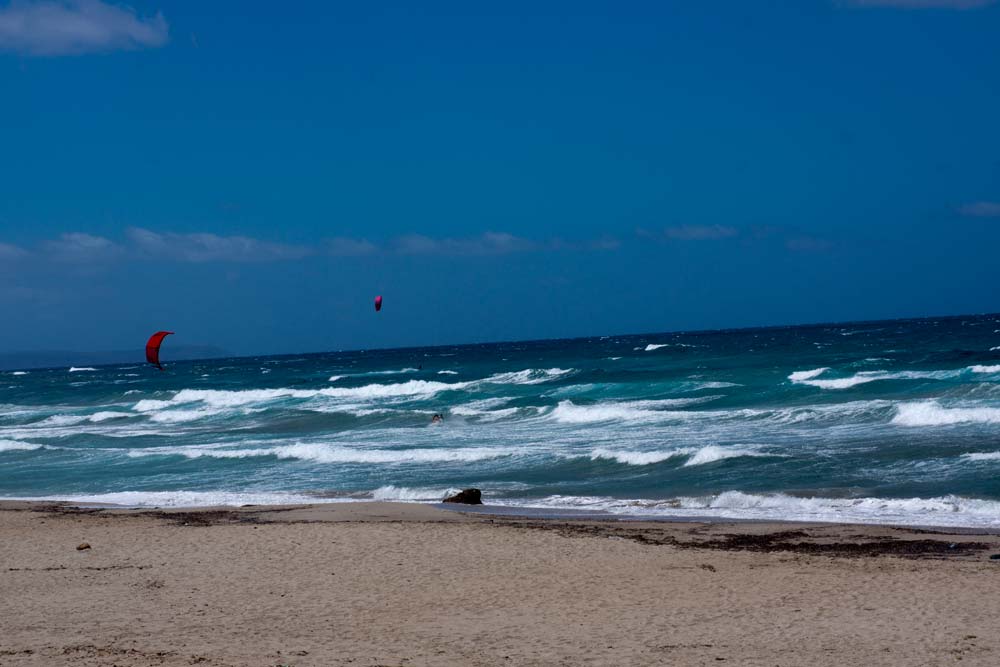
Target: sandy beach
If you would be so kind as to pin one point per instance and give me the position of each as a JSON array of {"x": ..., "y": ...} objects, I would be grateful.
[{"x": 405, "y": 584}]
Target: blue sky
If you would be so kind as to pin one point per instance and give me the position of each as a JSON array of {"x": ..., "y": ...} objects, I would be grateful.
[{"x": 251, "y": 174}]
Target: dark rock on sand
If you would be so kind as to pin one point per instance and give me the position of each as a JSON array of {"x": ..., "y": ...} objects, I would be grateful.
[
  {"x": 82, "y": 546},
  {"x": 466, "y": 497}
]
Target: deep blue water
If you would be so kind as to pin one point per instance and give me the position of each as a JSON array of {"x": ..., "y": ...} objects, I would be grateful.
[{"x": 882, "y": 421}]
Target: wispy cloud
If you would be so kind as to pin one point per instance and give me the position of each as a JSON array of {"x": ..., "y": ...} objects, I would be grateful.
[
  {"x": 346, "y": 247},
  {"x": 981, "y": 209},
  {"x": 490, "y": 243},
  {"x": 9, "y": 252},
  {"x": 204, "y": 247},
  {"x": 808, "y": 244},
  {"x": 700, "y": 232},
  {"x": 80, "y": 247},
  {"x": 71, "y": 27},
  {"x": 20, "y": 293},
  {"x": 920, "y": 4},
  {"x": 200, "y": 247}
]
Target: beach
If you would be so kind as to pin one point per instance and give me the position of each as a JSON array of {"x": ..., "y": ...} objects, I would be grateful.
[{"x": 374, "y": 583}]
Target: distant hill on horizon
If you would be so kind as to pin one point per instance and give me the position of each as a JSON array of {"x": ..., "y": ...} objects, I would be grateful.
[{"x": 56, "y": 358}]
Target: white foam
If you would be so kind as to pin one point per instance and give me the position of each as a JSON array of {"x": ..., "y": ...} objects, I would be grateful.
[
  {"x": 74, "y": 369},
  {"x": 985, "y": 369},
  {"x": 865, "y": 377},
  {"x": 19, "y": 373},
  {"x": 696, "y": 455},
  {"x": 149, "y": 405},
  {"x": 181, "y": 416},
  {"x": 187, "y": 498},
  {"x": 637, "y": 458},
  {"x": 799, "y": 376},
  {"x": 716, "y": 385},
  {"x": 931, "y": 413},
  {"x": 447, "y": 373},
  {"x": 982, "y": 456},
  {"x": 568, "y": 412},
  {"x": 713, "y": 453},
  {"x": 940, "y": 511},
  {"x": 62, "y": 420},
  {"x": 995, "y": 349},
  {"x": 479, "y": 407},
  {"x": 325, "y": 453},
  {"x": 99, "y": 417},
  {"x": 70, "y": 420},
  {"x": 527, "y": 376},
  {"x": 334, "y": 378},
  {"x": 407, "y": 494},
  {"x": 484, "y": 415},
  {"x": 654, "y": 346},
  {"x": 17, "y": 446},
  {"x": 222, "y": 399}
]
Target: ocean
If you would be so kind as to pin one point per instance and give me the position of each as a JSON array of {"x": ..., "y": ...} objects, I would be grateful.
[{"x": 877, "y": 422}]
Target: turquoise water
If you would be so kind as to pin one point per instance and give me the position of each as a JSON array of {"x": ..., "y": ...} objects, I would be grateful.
[{"x": 882, "y": 421}]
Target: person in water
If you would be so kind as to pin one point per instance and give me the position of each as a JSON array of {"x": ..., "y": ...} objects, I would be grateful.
[{"x": 436, "y": 419}]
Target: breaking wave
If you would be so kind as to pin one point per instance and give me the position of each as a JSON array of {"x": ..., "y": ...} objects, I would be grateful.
[
  {"x": 567, "y": 412},
  {"x": 324, "y": 453},
  {"x": 938, "y": 511},
  {"x": 799, "y": 376},
  {"x": 695, "y": 455},
  {"x": 406, "y": 494},
  {"x": 74, "y": 369},
  {"x": 186, "y": 498},
  {"x": 18, "y": 446},
  {"x": 982, "y": 456},
  {"x": 931, "y": 413},
  {"x": 812, "y": 378},
  {"x": 70, "y": 420},
  {"x": 411, "y": 390}
]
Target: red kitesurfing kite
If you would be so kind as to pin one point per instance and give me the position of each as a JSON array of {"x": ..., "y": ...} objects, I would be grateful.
[
  {"x": 378, "y": 303},
  {"x": 153, "y": 347}
]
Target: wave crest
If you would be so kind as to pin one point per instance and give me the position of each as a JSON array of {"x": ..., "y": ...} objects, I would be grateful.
[{"x": 932, "y": 413}]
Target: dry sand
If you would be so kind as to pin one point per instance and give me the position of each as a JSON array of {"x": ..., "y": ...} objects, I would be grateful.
[{"x": 391, "y": 584}]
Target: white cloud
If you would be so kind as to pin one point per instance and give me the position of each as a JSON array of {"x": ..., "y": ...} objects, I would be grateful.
[
  {"x": 10, "y": 252},
  {"x": 203, "y": 247},
  {"x": 808, "y": 244},
  {"x": 197, "y": 247},
  {"x": 80, "y": 247},
  {"x": 700, "y": 232},
  {"x": 981, "y": 209},
  {"x": 490, "y": 243},
  {"x": 345, "y": 247},
  {"x": 920, "y": 4},
  {"x": 68, "y": 27}
]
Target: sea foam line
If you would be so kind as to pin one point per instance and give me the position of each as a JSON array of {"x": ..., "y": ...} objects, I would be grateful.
[
  {"x": 938, "y": 511},
  {"x": 812, "y": 379},
  {"x": 412, "y": 389},
  {"x": 325, "y": 453},
  {"x": 695, "y": 455},
  {"x": 932, "y": 413}
]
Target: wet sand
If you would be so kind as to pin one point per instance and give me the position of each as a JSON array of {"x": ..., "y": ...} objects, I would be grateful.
[{"x": 402, "y": 584}]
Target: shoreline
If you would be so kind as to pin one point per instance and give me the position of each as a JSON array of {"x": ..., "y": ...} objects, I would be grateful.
[
  {"x": 508, "y": 511},
  {"x": 409, "y": 584}
]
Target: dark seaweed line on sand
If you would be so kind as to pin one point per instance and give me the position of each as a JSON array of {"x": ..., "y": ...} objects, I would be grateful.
[{"x": 791, "y": 541}]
